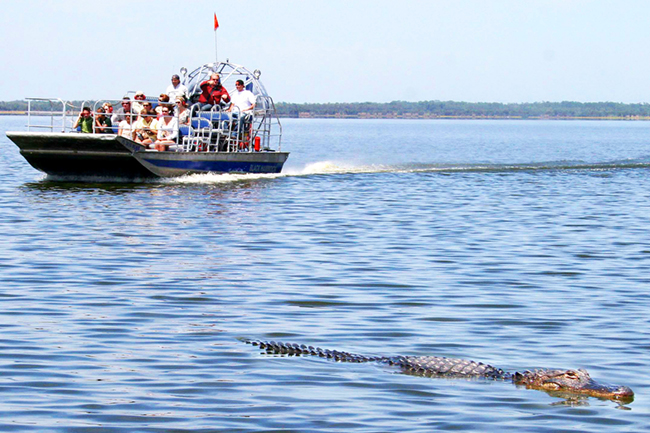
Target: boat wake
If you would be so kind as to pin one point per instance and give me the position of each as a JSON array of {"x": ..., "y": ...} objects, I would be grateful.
[
  {"x": 216, "y": 178},
  {"x": 323, "y": 167},
  {"x": 332, "y": 168}
]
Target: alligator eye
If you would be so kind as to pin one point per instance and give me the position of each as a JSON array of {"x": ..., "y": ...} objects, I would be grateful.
[{"x": 571, "y": 375}]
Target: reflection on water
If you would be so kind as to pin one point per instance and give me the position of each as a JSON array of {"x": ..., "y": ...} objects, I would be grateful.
[{"x": 520, "y": 244}]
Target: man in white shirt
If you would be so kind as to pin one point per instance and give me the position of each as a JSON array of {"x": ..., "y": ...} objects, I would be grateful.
[
  {"x": 241, "y": 98},
  {"x": 243, "y": 103},
  {"x": 176, "y": 89}
]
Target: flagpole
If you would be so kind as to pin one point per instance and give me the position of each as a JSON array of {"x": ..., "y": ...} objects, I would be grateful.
[{"x": 216, "y": 26}]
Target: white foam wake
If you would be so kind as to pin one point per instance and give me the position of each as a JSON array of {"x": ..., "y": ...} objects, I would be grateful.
[
  {"x": 221, "y": 178},
  {"x": 332, "y": 167},
  {"x": 321, "y": 167}
]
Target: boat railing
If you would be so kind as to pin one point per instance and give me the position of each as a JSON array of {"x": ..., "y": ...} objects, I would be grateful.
[
  {"x": 268, "y": 123},
  {"x": 61, "y": 115},
  {"x": 216, "y": 130},
  {"x": 231, "y": 130},
  {"x": 57, "y": 118},
  {"x": 113, "y": 129}
]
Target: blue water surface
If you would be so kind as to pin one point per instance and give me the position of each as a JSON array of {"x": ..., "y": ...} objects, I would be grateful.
[{"x": 523, "y": 244}]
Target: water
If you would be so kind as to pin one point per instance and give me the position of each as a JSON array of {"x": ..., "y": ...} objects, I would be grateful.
[{"x": 522, "y": 244}]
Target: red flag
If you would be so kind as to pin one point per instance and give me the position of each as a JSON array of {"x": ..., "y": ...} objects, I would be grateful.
[{"x": 216, "y": 23}]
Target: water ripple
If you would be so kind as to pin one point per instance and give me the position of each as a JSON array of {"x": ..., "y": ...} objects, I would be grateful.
[{"x": 514, "y": 244}]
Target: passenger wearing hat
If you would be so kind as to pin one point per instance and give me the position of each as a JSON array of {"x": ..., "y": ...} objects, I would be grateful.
[{"x": 137, "y": 105}]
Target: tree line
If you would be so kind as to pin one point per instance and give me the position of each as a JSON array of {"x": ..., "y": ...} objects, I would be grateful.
[
  {"x": 425, "y": 109},
  {"x": 20, "y": 106},
  {"x": 432, "y": 109}
]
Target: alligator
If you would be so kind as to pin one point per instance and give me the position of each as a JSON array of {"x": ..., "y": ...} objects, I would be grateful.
[{"x": 573, "y": 382}]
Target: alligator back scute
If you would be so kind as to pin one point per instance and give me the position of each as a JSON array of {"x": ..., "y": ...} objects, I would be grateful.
[
  {"x": 448, "y": 367},
  {"x": 272, "y": 347}
]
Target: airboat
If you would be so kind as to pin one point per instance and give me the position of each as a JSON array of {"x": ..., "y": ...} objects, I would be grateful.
[{"x": 213, "y": 141}]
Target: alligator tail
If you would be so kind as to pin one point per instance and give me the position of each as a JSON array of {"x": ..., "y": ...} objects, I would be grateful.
[{"x": 293, "y": 349}]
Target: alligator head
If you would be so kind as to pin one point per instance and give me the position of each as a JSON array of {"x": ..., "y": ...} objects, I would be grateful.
[{"x": 572, "y": 381}]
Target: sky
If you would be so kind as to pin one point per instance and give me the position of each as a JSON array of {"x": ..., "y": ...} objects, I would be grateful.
[{"x": 325, "y": 51}]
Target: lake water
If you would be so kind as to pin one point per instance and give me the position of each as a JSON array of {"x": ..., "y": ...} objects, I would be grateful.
[{"x": 523, "y": 244}]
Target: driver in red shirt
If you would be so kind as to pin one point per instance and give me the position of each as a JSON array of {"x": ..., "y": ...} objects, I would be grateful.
[{"x": 213, "y": 93}]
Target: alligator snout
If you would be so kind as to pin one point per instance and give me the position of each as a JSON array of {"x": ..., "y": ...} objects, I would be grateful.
[{"x": 623, "y": 393}]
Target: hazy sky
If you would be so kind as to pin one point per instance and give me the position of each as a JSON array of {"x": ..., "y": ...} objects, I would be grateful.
[{"x": 334, "y": 50}]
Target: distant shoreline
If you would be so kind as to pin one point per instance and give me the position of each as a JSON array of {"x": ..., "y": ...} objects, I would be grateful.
[
  {"x": 468, "y": 117},
  {"x": 565, "y": 110}
]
